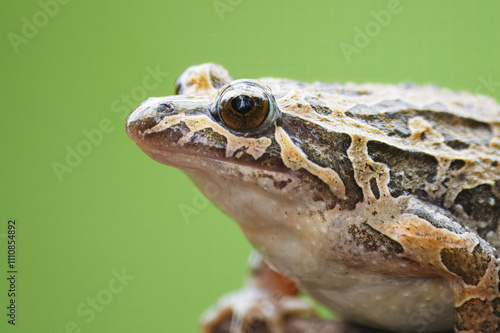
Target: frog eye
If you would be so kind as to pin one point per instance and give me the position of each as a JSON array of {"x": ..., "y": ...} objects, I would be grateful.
[{"x": 246, "y": 106}]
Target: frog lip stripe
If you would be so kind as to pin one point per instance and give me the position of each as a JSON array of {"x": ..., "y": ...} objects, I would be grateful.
[
  {"x": 255, "y": 147},
  {"x": 191, "y": 162}
]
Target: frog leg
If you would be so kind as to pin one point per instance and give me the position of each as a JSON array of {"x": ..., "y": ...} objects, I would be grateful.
[
  {"x": 432, "y": 238},
  {"x": 268, "y": 298}
]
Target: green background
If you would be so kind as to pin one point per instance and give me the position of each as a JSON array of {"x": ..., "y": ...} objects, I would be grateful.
[{"x": 117, "y": 209}]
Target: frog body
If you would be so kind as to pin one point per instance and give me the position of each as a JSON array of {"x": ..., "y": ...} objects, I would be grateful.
[{"x": 380, "y": 201}]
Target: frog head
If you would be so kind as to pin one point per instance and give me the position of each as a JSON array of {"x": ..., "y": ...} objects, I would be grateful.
[
  {"x": 241, "y": 145},
  {"x": 212, "y": 117}
]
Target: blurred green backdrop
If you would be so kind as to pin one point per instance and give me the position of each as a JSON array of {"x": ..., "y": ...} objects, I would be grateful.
[{"x": 73, "y": 69}]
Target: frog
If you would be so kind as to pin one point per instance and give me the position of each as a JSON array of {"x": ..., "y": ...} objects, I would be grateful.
[{"x": 379, "y": 201}]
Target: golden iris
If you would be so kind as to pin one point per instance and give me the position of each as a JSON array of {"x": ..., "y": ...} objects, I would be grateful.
[{"x": 246, "y": 105}]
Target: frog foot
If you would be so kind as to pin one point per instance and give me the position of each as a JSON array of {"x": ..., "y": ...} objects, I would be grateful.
[{"x": 252, "y": 306}]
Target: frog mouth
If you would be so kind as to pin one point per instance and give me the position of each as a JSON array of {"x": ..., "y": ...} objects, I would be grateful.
[
  {"x": 190, "y": 158},
  {"x": 183, "y": 147},
  {"x": 200, "y": 151},
  {"x": 183, "y": 160}
]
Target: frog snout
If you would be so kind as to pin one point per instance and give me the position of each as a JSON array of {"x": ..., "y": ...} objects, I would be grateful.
[{"x": 148, "y": 114}]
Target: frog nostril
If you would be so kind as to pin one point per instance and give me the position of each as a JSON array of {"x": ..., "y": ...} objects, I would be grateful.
[{"x": 164, "y": 109}]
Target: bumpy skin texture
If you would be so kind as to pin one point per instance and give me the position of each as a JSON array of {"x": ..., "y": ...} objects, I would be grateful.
[{"x": 380, "y": 201}]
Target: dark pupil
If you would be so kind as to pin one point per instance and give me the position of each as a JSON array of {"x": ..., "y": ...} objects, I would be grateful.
[{"x": 242, "y": 104}]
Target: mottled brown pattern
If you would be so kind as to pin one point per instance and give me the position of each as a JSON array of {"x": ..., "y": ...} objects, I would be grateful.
[
  {"x": 174, "y": 134},
  {"x": 458, "y": 132},
  {"x": 326, "y": 149},
  {"x": 471, "y": 267},
  {"x": 438, "y": 217},
  {"x": 408, "y": 169},
  {"x": 209, "y": 136},
  {"x": 318, "y": 105},
  {"x": 480, "y": 204},
  {"x": 372, "y": 240},
  {"x": 478, "y": 315}
]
